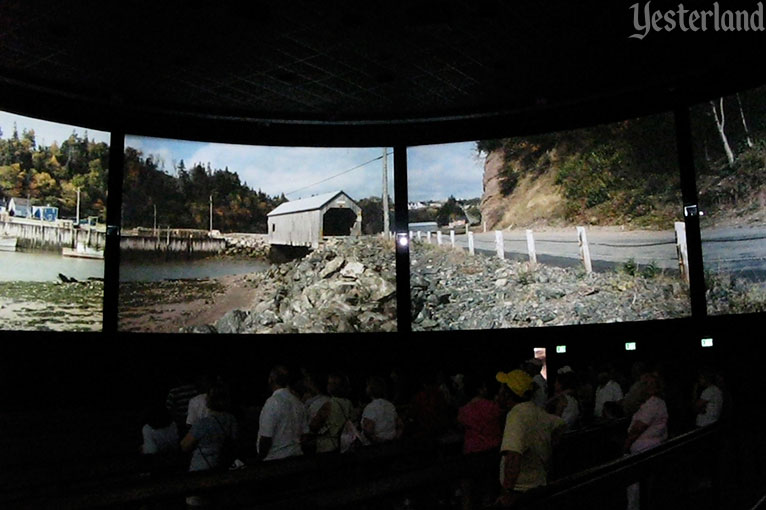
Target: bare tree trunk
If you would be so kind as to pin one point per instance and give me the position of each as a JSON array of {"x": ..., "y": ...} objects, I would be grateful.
[
  {"x": 720, "y": 122},
  {"x": 744, "y": 123}
]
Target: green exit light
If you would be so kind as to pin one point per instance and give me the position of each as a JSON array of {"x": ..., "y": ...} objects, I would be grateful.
[
  {"x": 707, "y": 342},
  {"x": 561, "y": 349},
  {"x": 630, "y": 346}
]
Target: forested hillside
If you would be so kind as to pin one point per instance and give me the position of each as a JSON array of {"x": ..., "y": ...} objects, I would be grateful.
[
  {"x": 729, "y": 137},
  {"x": 182, "y": 198},
  {"x": 52, "y": 174},
  {"x": 626, "y": 173}
]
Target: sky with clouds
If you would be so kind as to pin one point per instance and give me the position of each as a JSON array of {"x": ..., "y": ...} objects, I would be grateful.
[
  {"x": 435, "y": 171},
  {"x": 46, "y": 132}
]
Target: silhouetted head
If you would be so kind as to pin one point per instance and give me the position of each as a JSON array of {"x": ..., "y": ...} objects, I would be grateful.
[
  {"x": 219, "y": 397},
  {"x": 376, "y": 387},
  {"x": 279, "y": 377}
]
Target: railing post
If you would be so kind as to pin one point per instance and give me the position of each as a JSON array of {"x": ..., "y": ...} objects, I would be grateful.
[
  {"x": 470, "y": 243},
  {"x": 419, "y": 236},
  {"x": 531, "y": 249},
  {"x": 452, "y": 238},
  {"x": 499, "y": 246},
  {"x": 439, "y": 237},
  {"x": 582, "y": 240},
  {"x": 428, "y": 235},
  {"x": 682, "y": 250}
]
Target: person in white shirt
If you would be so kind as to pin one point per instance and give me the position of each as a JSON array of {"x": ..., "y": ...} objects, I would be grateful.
[
  {"x": 283, "y": 424},
  {"x": 380, "y": 422},
  {"x": 160, "y": 432},
  {"x": 198, "y": 404},
  {"x": 608, "y": 390},
  {"x": 710, "y": 402},
  {"x": 534, "y": 367}
]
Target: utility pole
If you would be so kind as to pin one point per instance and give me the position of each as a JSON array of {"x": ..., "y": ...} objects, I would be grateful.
[
  {"x": 385, "y": 191},
  {"x": 154, "y": 229},
  {"x": 211, "y": 213}
]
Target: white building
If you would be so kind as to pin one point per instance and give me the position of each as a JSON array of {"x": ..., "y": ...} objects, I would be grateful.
[{"x": 305, "y": 222}]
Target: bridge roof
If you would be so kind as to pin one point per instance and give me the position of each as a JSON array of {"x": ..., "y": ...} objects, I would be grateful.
[{"x": 307, "y": 204}]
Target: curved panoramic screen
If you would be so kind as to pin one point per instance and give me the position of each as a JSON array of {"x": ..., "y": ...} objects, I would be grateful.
[
  {"x": 730, "y": 159},
  {"x": 53, "y": 181},
  {"x": 221, "y": 238},
  {"x": 571, "y": 227}
]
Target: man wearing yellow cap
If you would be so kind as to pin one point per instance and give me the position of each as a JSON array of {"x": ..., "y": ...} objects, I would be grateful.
[{"x": 528, "y": 438}]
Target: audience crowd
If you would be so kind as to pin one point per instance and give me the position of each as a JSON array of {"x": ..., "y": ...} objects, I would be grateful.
[{"x": 520, "y": 414}]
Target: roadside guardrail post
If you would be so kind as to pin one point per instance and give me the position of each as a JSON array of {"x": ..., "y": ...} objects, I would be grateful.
[
  {"x": 582, "y": 240},
  {"x": 531, "y": 249}
]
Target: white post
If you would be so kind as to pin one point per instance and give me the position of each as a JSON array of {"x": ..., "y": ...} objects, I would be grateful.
[
  {"x": 467, "y": 229},
  {"x": 386, "y": 225},
  {"x": 419, "y": 235},
  {"x": 410, "y": 235},
  {"x": 470, "y": 243},
  {"x": 531, "y": 248},
  {"x": 428, "y": 235},
  {"x": 681, "y": 250},
  {"x": 439, "y": 237},
  {"x": 77, "y": 221},
  {"x": 485, "y": 227},
  {"x": 582, "y": 240},
  {"x": 211, "y": 213},
  {"x": 499, "y": 247},
  {"x": 452, "y": 238}
]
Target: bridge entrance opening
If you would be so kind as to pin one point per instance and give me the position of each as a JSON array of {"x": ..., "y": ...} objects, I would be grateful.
[{"x": 338, "y": 222}]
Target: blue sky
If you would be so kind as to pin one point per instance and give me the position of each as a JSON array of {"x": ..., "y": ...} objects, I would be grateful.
[
  {"x": 46, "y": 132},
  {"x": 435, "y": 171}
]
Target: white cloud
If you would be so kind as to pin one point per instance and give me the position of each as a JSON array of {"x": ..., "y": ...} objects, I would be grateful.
[
  {"x": 438, "y": 171},
  {"x": 435, "y": 171}
]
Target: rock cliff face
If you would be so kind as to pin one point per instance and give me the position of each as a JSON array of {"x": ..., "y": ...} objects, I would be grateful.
[
  {"x": 535, "y": 199},
  {"x": 492, "y": 200}
]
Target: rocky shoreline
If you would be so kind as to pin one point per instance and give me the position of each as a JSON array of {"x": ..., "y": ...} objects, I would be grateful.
[
  {"x": 452, "y": 290},
  {"x": 346, "y": 285}
]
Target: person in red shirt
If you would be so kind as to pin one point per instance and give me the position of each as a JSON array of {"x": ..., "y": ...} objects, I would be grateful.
[{"x": 482, "y": 422}]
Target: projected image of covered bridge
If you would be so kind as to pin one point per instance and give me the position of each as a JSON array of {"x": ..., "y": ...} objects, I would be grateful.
[{"x": 307, "y": 221}]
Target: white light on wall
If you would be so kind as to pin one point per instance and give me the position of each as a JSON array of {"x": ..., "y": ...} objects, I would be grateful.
[
  {"x": 630, "y": 346},
  {"x": 707, "y": 342},
  {"x": 561, "y": 349}
]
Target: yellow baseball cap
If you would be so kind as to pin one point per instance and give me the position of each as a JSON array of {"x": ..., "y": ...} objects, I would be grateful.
[{"x": 517, "y": 380}]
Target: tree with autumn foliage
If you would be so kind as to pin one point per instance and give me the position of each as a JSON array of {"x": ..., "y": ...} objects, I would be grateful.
[{"x": 51, "y": 175}]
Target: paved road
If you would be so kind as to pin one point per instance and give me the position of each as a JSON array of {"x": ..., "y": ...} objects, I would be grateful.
[{"x": 741, "y": 250}]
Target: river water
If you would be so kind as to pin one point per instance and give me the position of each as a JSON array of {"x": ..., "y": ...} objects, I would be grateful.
[
  {"x": 43, "y": 266},
  {"x": 203, "y": 268}
]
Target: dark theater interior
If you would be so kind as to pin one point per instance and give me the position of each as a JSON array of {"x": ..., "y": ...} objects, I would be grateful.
[{"x": 549, "y": 89}]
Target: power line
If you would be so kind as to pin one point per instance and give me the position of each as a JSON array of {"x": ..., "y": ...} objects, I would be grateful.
[{"x": 339, "y": 174}]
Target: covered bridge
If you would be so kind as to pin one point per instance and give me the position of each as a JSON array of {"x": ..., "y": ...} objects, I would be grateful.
[{"x": 304, "y": 222}]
